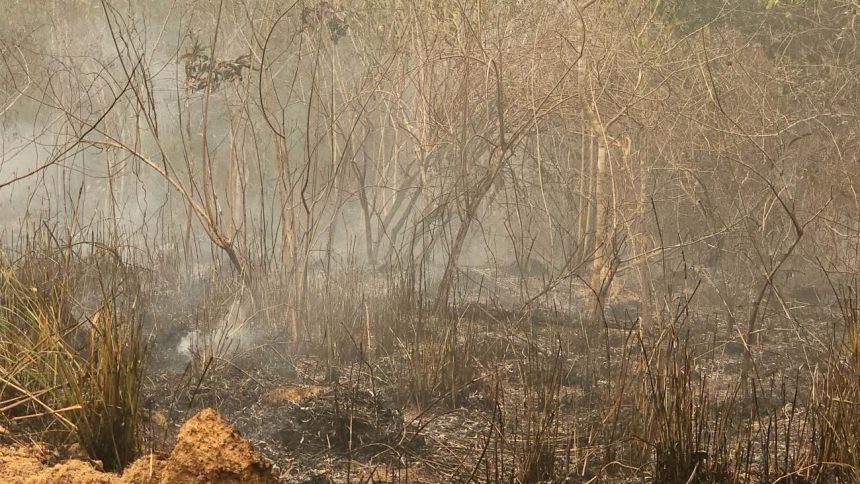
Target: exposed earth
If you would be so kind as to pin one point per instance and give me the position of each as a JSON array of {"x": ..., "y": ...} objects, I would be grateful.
[{"x": 207, "y": 450}]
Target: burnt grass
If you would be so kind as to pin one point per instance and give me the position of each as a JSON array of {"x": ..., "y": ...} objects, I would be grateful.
[{"x": 486, "y": 393}]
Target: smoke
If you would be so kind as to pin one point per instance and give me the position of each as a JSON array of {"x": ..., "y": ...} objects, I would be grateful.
[{"x": 232, "y": 334}]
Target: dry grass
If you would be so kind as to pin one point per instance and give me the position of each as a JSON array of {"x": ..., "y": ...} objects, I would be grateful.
[
  {"x": 66, "y": 377},
  {"x": 542, "y": 399},
  {"x": 837, "y": 412}
]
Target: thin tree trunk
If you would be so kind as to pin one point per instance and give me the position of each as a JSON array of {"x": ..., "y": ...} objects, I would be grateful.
[
  {"x": 599, "y": 267},
  {"x": 642, "y": 240}
]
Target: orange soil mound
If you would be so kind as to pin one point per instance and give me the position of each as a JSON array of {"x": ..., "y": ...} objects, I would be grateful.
[
  {"x": 19, "y": 462},
  {"x": 292, "y": 394},
  {"x": 23, "y": 465},
  {"x": 146, "y": 470},
  {"x": 207, "y": 450}
]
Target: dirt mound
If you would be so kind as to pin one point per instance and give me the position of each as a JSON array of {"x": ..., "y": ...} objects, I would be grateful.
[
  {"x": 207, "y": 450},
  {"x": 292, "y": 394},
  {"x": 16, "y": 463},
  {"x": 146, "y": 470},
  {"x": 24, "y": 465},
  {"x": 72, "y": 471}
]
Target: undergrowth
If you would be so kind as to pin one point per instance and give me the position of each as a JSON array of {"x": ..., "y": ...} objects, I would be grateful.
[
  {"x": 659, "y": 402},
  {"x": 70, "y": 368}
]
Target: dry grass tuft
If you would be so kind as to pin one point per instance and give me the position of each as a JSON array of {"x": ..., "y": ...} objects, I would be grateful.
[{"x": 64, "y": 377}]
